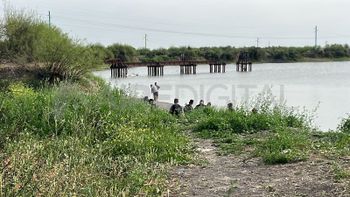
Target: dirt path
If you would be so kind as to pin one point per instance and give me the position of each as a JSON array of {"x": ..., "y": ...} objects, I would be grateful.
[{"x": 230, "y": 176}]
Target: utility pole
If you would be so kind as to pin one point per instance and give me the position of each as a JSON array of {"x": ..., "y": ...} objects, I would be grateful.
[
  {"x": 316, "y": 35},
  {"x": 49, "y": 19},
  {"x": 257, "y": 42},
  {"x": 146, "y": 41}
]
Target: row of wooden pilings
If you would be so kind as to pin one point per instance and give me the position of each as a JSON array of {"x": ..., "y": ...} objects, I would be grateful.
[
  {"x": 119, "y": 71},
  {"x": 244, "y": 67},
  {"x": 217, "y": 68},
  {"x": 188, "y": 69},
  {"x": 155, "y": 70}
]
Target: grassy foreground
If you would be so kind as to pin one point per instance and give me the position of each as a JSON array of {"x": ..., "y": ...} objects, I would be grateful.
[
  {"x": 63, "y": 141},
  {"x": 68, "y": 140}
]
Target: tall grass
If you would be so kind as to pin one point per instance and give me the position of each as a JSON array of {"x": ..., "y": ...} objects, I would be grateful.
[
  {"x": 65, "y": 141},
  {"x": 244, "y": 120},
  {"x": 284, "y": 146},
  {"x": 276, "y": 133}
]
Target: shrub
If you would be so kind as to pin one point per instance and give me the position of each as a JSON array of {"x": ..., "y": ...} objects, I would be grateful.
[
  {"x": 284, "y": 146},
  {"x": 27, "y": 39},
  {"x": 344, "y": 126}
]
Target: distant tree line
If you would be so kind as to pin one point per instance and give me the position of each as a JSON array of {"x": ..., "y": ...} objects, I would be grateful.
[{"x": 229, "y": 53}]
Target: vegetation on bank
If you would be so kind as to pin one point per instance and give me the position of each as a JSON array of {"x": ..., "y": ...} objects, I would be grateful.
[
  {"x": 28, "y": 41},
  {"x": 275, "y": 133},
  {"x": 64, "y": 141}
]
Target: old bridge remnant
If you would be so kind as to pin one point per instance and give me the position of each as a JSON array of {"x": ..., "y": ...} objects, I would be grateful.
[
  {"x": 243, "y": 63},
  {"x": 119, "y": 68}
]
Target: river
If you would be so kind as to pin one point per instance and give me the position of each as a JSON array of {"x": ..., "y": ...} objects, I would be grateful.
[{"x": 322, "y": 86}]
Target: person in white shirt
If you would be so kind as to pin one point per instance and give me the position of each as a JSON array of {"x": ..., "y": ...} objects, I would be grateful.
[{"x": 154, "y": 90}]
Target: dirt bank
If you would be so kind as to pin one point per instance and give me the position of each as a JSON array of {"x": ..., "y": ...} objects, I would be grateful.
[{"x": 237, "y": 176}]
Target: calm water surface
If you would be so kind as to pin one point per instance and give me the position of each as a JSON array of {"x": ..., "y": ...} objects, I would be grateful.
[{"x": 325, "y": 86}]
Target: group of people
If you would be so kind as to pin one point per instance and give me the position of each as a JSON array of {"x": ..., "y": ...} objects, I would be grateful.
[{"x": 176, "y": 108}]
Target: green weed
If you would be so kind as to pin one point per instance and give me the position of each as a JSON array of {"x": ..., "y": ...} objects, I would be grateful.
[
  {"x": 284, "y": 146},
  {"x": 344, "y": 126}
]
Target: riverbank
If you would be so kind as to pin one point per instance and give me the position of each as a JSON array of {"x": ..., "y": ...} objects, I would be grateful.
[
  {"x": 229, "y": 164},
  {"x": 244, "y": 175},
  {"x": 264, "y": 162},
  {"x": 244, "y": 154},
  {"x": 103, "y": 135}
]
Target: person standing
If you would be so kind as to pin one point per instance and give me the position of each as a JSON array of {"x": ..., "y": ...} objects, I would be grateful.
[{"x": 154, "y": 90}]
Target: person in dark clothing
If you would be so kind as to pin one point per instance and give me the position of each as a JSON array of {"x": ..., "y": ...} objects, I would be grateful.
[
  {"x": 151, "y": 102},
  {"x": 201, "y": 104},
  {"x": 254, "y": 111},
  {"x": 176, "y": 109},
  {"x": 189, "y": 107},
  {"x": 209, "y": 104},
  {"x": 230, "y": 107}
]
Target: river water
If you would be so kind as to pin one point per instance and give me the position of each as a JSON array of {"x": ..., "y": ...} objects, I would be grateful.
[{"x": 324, "y": 87}]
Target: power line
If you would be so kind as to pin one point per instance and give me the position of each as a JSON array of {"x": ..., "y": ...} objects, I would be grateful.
[
  {"x": 182, "y": 32},
  {"x": 112, "y": 26}
]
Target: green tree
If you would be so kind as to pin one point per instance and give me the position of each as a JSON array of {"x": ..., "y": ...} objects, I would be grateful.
[
  {"x": 99, "y": 54},
  {"x": 19, "y": 33},
  {"x": 336, "y": 51},
  {"x": 27, "y": 39},
  {"x": 62, "y": 57},
  {"x": 123, "y": 52}
]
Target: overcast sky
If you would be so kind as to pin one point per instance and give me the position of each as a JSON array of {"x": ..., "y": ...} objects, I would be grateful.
[{"x": 198, "y": 22}]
